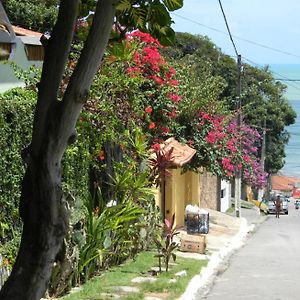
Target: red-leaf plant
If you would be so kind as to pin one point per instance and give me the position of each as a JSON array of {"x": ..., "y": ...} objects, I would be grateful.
[{"x": 165, "y": 245}]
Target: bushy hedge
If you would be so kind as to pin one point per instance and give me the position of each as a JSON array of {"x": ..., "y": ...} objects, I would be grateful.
[
  {"x": 16, "y": 118},
  {"x": 16, "y": 115}
]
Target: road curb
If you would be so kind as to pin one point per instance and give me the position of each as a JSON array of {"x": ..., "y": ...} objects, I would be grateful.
[{"x": 218, "y": 262}]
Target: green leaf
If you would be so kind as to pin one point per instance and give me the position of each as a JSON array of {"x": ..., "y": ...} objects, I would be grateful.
[
  {"x": 124, "y": 6},
  {"x": 107, "y": 242},
  {"x": 173, "y": 4},
  {"x": 158, "y": 14},
  {"x": 166, "y": 35},
  {"x": 174, "y": 256}
]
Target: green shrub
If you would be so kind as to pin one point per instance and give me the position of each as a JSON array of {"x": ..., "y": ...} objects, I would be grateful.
[{"x": 16, "y": 116}]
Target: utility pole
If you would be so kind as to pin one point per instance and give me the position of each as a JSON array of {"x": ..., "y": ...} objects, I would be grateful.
[
  {"x": 263, "y": 157},
  {"x": 238, "y": 173}
]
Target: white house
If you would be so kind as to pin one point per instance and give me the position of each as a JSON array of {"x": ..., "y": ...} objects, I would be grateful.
[
  {"x": 225, "y": 195},
  {"x": 17, "y": 45}
]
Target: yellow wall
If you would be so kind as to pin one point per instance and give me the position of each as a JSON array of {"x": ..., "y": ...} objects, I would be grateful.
[{"x": 180, "y": 190}]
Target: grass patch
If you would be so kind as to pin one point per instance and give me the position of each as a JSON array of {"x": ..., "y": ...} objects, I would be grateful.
[{"x": 109, "y": 281}]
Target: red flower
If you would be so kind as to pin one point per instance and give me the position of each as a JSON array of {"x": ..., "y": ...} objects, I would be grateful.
[
  {"x": 156, "y": 147},
  {"x": 165, "y": 129},
  {"x": 152, "y": 125},
  {"x": 102, "y": 156},
  {"x": 174, "y": 97},
  {"x": 133, "y": 71},
  {"x": 211, "y": 138},
  {"x": 158, "y": 80},
  {"x": 190, "y": 143},
  {"x": 246, "y": 158},
  {"x": 148, "y": 110},
  {"x": 174, "y": 82},
  {"x": 172, "y": 114}
]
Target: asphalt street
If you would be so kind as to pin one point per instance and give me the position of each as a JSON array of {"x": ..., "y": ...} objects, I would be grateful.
[{"x": 267, "y": 267}]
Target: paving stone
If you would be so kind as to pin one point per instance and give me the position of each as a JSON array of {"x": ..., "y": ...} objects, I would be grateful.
[
  {"x": 181, "y": 273},
  {"x": 157, "y": 269},
  {"x": 127, "y": 289},
  {"x": 143, "y": 279},
  {"x": 110, "y": 296},
  {"x": 76, "y": 289}
]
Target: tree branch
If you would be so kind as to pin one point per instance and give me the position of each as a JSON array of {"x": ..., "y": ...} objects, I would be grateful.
[
  {"x": 88, "y": 64},
  {"x": 56, "y": 55}
]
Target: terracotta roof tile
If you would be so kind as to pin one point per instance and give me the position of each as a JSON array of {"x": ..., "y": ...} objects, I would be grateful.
[
  {"x": 25, "y": 32},
  {"x": 181, "y": 154},
  {"x": 283, "y": 182}
]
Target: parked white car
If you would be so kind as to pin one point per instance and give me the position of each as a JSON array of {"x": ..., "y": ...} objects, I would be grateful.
[{"x": 284, "y": 206}]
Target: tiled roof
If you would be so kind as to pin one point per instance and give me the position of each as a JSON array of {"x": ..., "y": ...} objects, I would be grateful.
[
  {"x": 181, "y": 154},
  {"x": 283, "y": 183},
  {"x": 25, "y": 32}
]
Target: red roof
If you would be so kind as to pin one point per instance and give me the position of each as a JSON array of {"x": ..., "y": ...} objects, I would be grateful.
[
  {"x": 283, "y": 183},
  {"x": 181, "y": 154},
  {"x": 25, "y": 32}
]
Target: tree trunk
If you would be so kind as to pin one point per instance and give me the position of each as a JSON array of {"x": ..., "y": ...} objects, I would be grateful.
[
  {"x": 42, "y": 206},
  {"x": 45, "y": 225}
]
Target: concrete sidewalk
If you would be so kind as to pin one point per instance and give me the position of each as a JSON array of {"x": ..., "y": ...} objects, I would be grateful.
[{"x": 226, "y": 235}]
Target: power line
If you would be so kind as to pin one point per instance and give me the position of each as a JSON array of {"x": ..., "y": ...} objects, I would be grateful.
[
  {"x": 238, "y": 173},
  {"x": 237, "y": 37},
  {"x": 284, "y": 77},
  {"x": 228, "y": 29}
]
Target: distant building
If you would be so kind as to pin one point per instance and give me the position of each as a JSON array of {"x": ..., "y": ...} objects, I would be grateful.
[
  {"x": 289, "y": 186},
  {"x": 17, "y": 45}
]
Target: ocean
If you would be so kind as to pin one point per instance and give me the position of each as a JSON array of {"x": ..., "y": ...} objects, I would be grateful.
[{"x": 292, "y": 150}]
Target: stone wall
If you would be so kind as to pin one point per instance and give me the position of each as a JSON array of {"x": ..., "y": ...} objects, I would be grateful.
[{"x": 210, "y": 189}]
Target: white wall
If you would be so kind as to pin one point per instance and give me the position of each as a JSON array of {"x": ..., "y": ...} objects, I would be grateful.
[
  {"x": 8, "y": 79},
  {"x": 226, "y": 193}
]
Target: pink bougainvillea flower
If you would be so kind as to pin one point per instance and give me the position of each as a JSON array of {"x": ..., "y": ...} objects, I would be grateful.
[
  {"x": 158, "y": 79},
  {"x": 211, "y": 138},
  {"x": 144, "y": 37},
  {"x": 172, "y": 114},
  {"x": 133, "y": 71},
  {"x": 246, "y": 158},
  {"x": 190, "y": 143},
  {"x": 165, "y": 129},
  {"x": 174, "y": 97},
  {"x": 174, "y": 82}
]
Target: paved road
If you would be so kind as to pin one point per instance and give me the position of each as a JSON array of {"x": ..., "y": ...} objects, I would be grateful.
[{"x": 267, "y": 267}]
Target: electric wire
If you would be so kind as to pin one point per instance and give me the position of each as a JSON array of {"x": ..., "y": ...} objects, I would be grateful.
[
  {"x": 228, "y": 29},
  {"x": 237, "y": 37},
  {"x": 284, "y": 77}
]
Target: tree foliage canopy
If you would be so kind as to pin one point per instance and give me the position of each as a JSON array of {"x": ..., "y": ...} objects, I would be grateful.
[
  {"x": 38, "y": 15},
  {"x": 262, "y": 96}
]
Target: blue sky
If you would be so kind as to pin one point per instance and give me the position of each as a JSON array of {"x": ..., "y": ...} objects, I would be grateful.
[{"x": 272, "y": 23}]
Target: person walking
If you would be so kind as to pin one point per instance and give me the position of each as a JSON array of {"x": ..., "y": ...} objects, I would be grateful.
[{"x": 277, "y": 203}]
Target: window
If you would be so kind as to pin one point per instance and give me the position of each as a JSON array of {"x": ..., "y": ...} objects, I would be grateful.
[
  {"x": 5, "y": 50},
  {"x": 223, "y": 193},
  {"x": 34, "y": 52}
]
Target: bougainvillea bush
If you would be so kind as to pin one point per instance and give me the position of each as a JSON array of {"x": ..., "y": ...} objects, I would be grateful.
[
  {"x": 223, "y": 147},
  {"x": 137, "y": 85}
]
